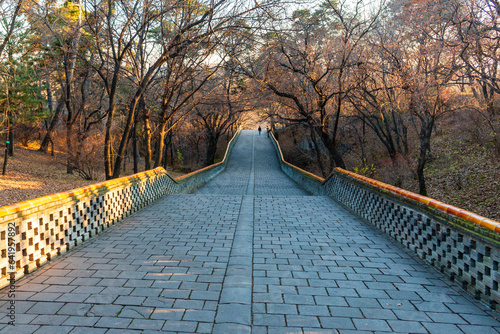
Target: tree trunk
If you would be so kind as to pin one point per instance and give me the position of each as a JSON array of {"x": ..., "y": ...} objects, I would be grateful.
[
  {"x": 420, "y": 174},
  {"x": 425, "y": 143},
  {"x": 48, "y": 136},
  {"x": 161, "y": 145},
  {"x": 77, "y": 161},
  {"x": 108, "y": 155},
  {"x": 331, "y": 146},
  {"x": 10, "y": 142},
  {"x": 147, "y": 135},
  {"x": 50, "y": 101},
  {"x": 403, "y": 136},
  {"x": 50, "y": 105},
  {"x": 69, "y": 146},
  {"x": 361, "y": 141},
  {"x": 51, "y": 147},
  {"x": 383, "y": 132},
  {"x": 70, "y": 63},
  {"x": 164, "y": 162},
  {"x": 198, "y": 153},
  {"x": 126, "y": 135},
  {"x": 141, "y": 110},
  {"x": 5, "y": 159},
  {"x": 108, "y": 140},
  {"x": 318, "y": 153},
  {"x": 136, "y": 150},
  {"x": 211, "y": 149},
  {"x": 6, "y": 155},
  {"x": 125, "y": 158},
  {"x": 170, "y": 147}
]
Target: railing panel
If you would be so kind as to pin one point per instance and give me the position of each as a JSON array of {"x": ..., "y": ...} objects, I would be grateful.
[
  {"x": 460, "y": 244},
  {"x": 308, "y": 181},
  {"x": 40, "y": 229}
]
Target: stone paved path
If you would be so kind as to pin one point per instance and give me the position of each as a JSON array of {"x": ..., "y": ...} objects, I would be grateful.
[{"x": 249, "y": 252}]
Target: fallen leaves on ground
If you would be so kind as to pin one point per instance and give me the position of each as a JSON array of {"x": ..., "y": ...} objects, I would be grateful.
[{"x": 31, "y": 174}]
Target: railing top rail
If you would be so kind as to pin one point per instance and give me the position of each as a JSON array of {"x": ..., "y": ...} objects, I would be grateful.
[
  {"x": 214, "y": 165},
  {"x": 443, "y": 207},
  {"x": 13, "y": 208},
  {"x": 447, "y": 208}
]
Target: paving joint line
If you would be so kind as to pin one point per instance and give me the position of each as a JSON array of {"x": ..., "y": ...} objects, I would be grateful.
[
  {"x": 234, "y": 314},
  {"x": 251, "y": 178}
]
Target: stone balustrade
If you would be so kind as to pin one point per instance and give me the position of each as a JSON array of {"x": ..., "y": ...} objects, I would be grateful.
[{"x": 462, "y": 245}]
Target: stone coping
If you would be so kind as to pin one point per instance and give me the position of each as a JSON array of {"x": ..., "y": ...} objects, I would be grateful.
[
  {"x": 78, "y": 192},
  {"x": 398, "y": 192}
]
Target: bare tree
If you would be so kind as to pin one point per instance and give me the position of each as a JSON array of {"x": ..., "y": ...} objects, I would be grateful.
[
  {"x": 178, "y": 26},
  {"x": 13, "y": 16},
  {"x": 62, "y": 27},
  {"x": 223, "y": 108},
  {"x": 380, "y": 100},
  {"x": 477, "y": 35},
  {"x": 310, "y": 66},
  {"x": 429, "y": 70}
]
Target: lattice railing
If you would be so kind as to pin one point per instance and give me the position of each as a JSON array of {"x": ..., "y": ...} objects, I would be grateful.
[{"x": 462, "y": 245}]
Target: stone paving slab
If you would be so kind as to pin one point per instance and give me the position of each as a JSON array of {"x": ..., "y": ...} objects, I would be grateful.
[
  {"x": 251, "y": 252},
  {"x": 267, "y": 177}
]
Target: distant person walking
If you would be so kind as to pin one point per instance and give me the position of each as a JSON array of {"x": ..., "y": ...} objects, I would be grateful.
[
  {"x": 260, "y": 130},
  {"x": 268, "y": 130}
]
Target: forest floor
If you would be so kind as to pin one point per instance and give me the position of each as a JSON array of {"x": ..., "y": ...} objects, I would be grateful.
[
  {"x": 31, "y": 174},
  {"x": 465, "y": 174}
]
